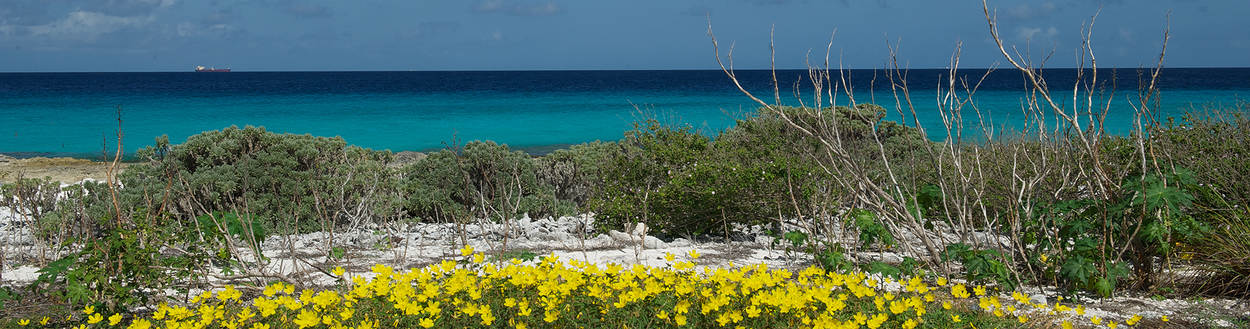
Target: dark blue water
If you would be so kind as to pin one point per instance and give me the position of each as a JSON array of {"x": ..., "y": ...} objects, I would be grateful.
[{"x": 70, "y": 113}]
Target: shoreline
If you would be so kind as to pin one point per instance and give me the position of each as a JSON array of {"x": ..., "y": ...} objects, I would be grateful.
[
  {"x": 129, "y": 157},
  {"x": 63, "y": 169}
]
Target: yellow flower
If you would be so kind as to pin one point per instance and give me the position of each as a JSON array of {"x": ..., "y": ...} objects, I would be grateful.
[
  {"x": 1096, "y": 320},
  {"x": 668, "y": 256},
  {"x": 478, "y": 258},
  {"x": 960, "y": 291},
  {"x": 680, "y": 319},
  {"x": 1067, "y": 325},
  {"x": 23, "y": 322},
  {"x": 140, "y": 324},
  {"x": 1112, "y": 325},
  {"x": 307, "y": 319},
  {"x": 229, "y": 294},
  {"x": 955, "y": 318},
  {"x": 466, "y": 251},
  {"x": 259, "y": 325},
  {"x": 1164, "y": 318},
  {"x": 246, "y": 314},
  {"x": 694, "y": 254},
  {"x": 88, "y": 310},
  {"x": 338, "y": 271},
  {"x": 1133, "y": 320},
  {"x": 942, "y": 281},
  {"x": 426, "y": 323},
  {"x": 95, "y": 318},
  {"x": 44, "y": 321},
  {"x": 1022, "y": 318}
]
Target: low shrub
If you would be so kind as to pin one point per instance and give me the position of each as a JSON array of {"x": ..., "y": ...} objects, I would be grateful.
[
  {"x": 679, "y": 181},
  {"x": 575, "y": 173},
  {"x": 1212, "y": 144},
  {"x": 485, "y": 180},
  {"x": 286, "y": 181}
]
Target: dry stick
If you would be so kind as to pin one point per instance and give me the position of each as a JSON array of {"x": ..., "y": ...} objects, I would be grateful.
[
  {"x": 1103, "y": 180},
  {"x": 896, "y": 86},
  {"x": 112, "y": 172},
  {"x": 830, "y": 151},
  {"x": 1141, "y": 135}
]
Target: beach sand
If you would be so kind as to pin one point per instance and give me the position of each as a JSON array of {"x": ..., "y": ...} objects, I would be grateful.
[{"x": 65, "y": 170}]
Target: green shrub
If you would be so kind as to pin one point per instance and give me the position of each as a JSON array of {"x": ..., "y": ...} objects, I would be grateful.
[
  {"x": 486, "y": 180},
  {"x": 636, "y": 176},
  {"x": 126, "y": 266},
  {"x": 285, "y": 181},
  {"x": 1214, "y": 146},
  {"x": 575, "y": 173},
  {"x": 435, "y": 188},
  {"x": 681, "y": 182}
]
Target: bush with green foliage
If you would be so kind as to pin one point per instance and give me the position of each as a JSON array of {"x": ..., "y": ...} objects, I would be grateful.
[
  {"x": 681, "y": 182},
  {"x": 485, "y": 180},
  {"x": 285, "y": 181},
  {"x": 1212, "y": 144},
  {"x": 575, "y": 173},
  {"x": 638, "y": 176}
]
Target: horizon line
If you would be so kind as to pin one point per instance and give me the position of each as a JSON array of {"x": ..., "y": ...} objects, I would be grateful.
[{"x": 618, "y": 70}]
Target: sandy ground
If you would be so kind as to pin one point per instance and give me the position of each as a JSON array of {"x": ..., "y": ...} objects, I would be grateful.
[{"x": 58, "y": 169}]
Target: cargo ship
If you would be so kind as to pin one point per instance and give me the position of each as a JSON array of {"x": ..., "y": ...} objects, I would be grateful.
[{"x": 207, "y": 69}]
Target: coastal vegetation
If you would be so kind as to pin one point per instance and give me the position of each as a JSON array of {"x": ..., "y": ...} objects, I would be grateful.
[
  {"x": 1061, "y": 203},
  {"x": 675, "y": 180}
]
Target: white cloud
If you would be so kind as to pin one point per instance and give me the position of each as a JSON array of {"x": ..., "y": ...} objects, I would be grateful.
[
  {"x": 188, "y": 29},
  {"x": 518, "y": 8},
  {"x": 1030, "y": 33},
  {"x": 1127, "y": 34},
  {"x": 489, "y": 6},
  {"x": 86, "y": 25},
  {"x": 1026, "y": 11}
]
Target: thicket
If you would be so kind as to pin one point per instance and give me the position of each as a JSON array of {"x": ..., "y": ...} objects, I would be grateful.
[
  {"x": 225, "y": 189},
  {"x": 485, "y": 180},
  {"x": 681, "y": 182},
  {"x": 286, "y": 182},
  {"x": 1061, "y": 201}
]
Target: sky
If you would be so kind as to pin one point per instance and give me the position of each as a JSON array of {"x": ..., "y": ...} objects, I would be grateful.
[{"x": 401, "y": 35}]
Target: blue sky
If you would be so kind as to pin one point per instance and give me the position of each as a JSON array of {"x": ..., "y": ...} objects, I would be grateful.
[{"x": 283, "y": 35}]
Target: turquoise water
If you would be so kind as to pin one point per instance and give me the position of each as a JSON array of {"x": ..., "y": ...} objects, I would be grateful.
[{"x": 69, "y": 114}]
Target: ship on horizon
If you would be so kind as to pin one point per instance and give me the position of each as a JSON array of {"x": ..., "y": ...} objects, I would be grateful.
[{"x": 210, "y": 69}]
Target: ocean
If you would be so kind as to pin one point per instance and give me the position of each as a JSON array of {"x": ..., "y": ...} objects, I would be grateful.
[{"x": 69, "y": 114}]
